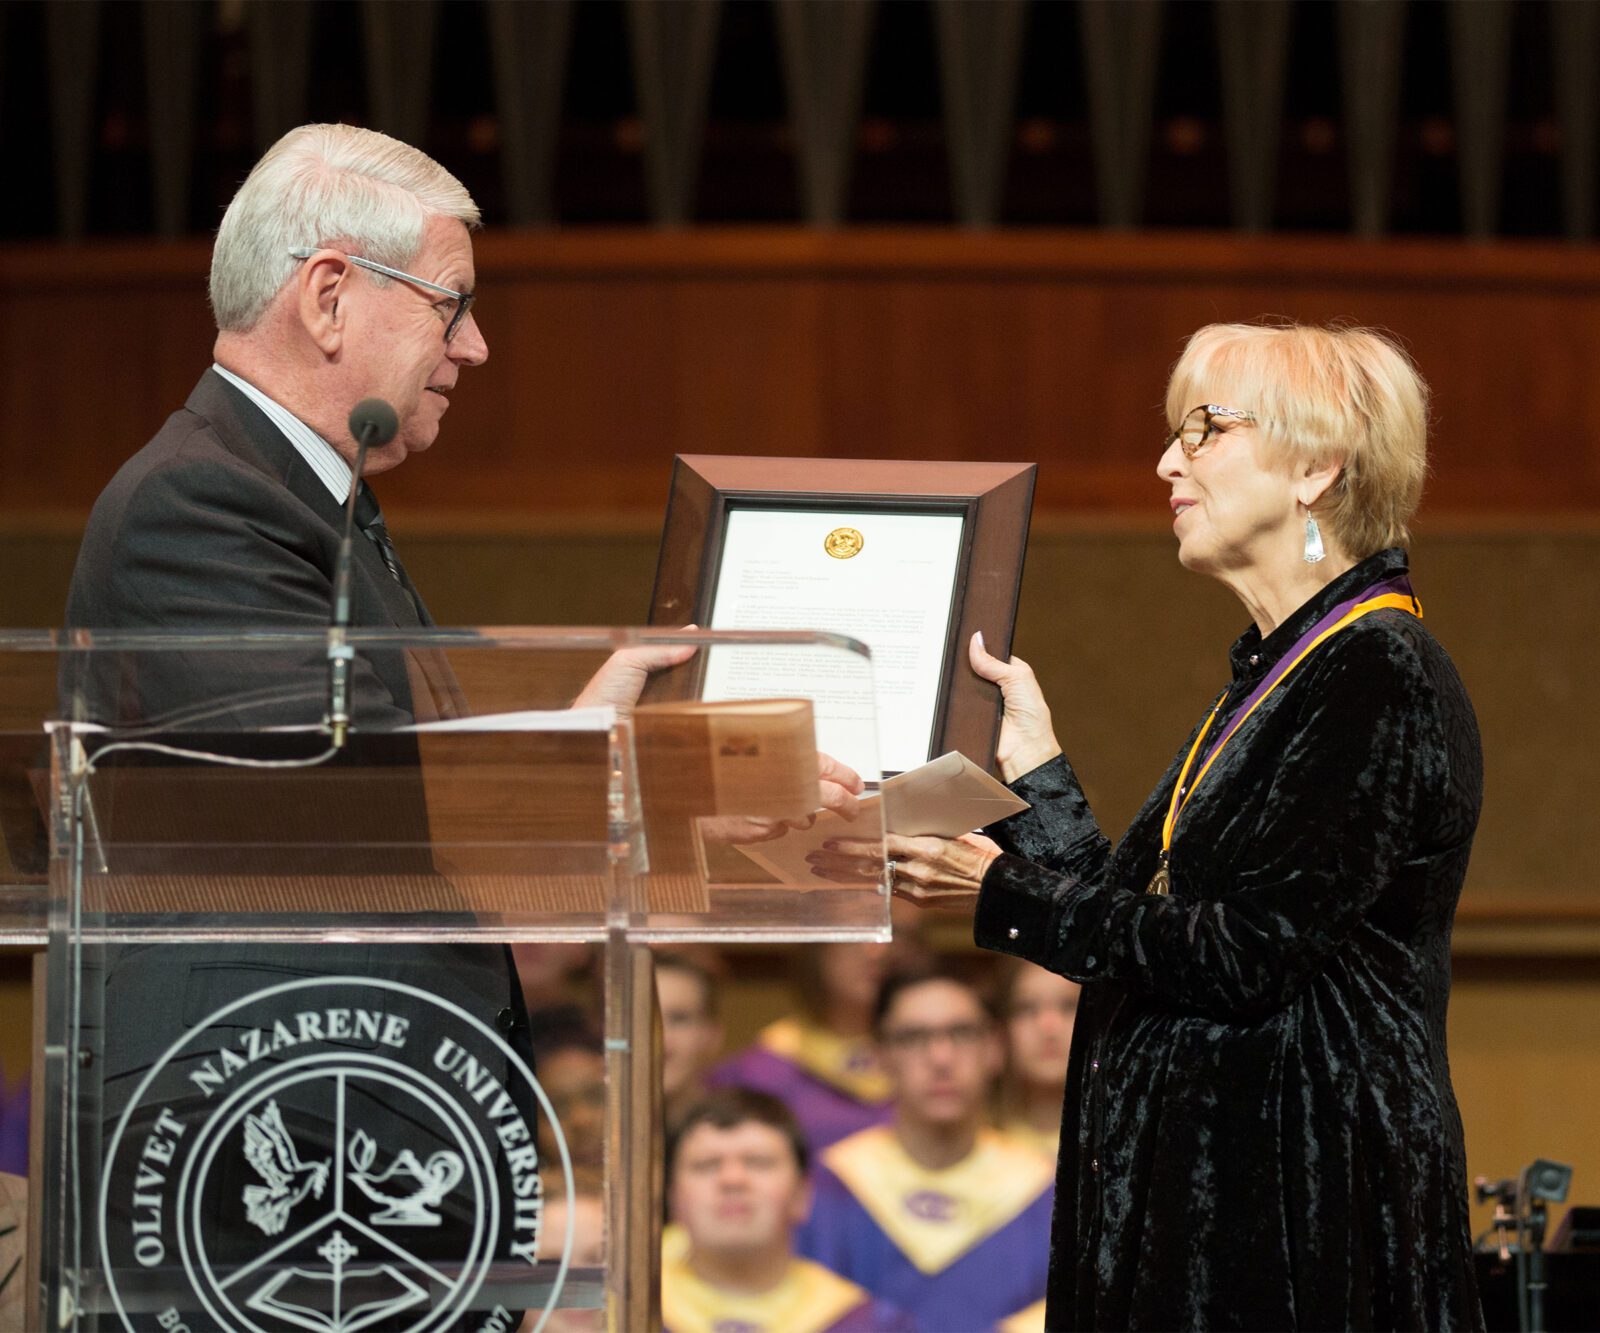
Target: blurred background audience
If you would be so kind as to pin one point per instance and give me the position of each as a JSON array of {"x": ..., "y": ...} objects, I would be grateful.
[
  {"x": 1037, "y": 1009},
  {"x": 936, "y": 1211},
  {"x": 570, "y": 1058},
  {"x": 691, "y": 1029},
  {"x": 558, "y": 975},
  {"x": 949, "y": 1066},
  {"x": 586, "y": 1213},
  {"x": 820, "y": 1059},
  {"x": 13, "y": 1125}
]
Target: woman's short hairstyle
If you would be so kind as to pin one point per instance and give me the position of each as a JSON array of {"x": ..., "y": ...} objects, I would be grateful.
[
  {"x": 326, "y": 185},
  {"x": 1322, "y": 394}
]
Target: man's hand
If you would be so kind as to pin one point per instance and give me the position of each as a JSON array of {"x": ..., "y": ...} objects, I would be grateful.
[
  {"x": 838, "y": 790},
  {"x": 621, "y": 680},
  {"x": 838, "y": 786}
]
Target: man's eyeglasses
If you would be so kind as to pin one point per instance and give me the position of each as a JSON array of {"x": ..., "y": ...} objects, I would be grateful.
[
  {"x": 453, "y": 311},
  {"x": 1199, "y": 427},
  {"x": 962, "y": 1036}
]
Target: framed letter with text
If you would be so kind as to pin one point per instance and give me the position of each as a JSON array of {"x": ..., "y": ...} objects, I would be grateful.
[{"x": 908, "y": 557}]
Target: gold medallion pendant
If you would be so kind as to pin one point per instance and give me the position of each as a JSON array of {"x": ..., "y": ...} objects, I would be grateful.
[
  {"x": 842, "y": 543},
  {"x": 1161, "y": 882}
]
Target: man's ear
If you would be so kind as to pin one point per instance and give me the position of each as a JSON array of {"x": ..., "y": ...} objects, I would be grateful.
[
  {"x": 1318, "y": 477},
  {"x": 320, "y": 287}
]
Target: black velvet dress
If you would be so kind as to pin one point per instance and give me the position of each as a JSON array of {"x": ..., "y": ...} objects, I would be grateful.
[{"x": 1259, "y": 1129}]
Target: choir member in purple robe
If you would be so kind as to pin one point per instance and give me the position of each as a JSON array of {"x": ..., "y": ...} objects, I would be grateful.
[
  {"x": 821, "y": 1062},
  {"x": 737, "y": 1188},
  {"x": 936, "y": 1211}
]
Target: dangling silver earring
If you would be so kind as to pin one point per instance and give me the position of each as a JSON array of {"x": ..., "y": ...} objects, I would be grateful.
[{"x": 1313, "y": 551}]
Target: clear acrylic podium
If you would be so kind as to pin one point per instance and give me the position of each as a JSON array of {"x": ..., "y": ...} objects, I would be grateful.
[{"x": 283, "y": 1078}]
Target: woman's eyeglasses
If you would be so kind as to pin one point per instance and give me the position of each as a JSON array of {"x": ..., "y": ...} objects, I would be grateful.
[{"x": 1199, "y": 427}]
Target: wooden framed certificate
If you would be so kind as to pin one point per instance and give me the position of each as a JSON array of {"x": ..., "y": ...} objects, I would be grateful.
[{"x": 908, "y": 557}]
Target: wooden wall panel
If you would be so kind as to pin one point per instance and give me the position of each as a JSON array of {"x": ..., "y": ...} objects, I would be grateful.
[
  {"x": 1130, "y": 649},
  {"x": 610, "y": 352}
]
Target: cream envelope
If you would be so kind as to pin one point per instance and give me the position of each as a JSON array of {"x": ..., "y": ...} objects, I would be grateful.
[{"x": 947, "y": 796}]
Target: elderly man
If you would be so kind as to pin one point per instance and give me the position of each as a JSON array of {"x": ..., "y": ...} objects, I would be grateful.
[{"x": 342, "y": 271}]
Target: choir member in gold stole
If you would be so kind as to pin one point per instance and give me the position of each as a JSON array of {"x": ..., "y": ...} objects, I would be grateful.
[
  {"x": 936, "y": 1211},
  {"x": 1260, "y": 1131},
  {"x": 736, "y": 1187}
]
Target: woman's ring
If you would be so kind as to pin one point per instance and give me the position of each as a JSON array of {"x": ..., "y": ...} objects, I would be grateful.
[{"x": 894, "y": 867}]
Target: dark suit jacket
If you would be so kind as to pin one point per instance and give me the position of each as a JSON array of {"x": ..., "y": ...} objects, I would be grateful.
[{"x": 219, "y": 525}]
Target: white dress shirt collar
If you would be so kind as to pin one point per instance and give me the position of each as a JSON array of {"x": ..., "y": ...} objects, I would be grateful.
[{"x": 322, "y": 457}]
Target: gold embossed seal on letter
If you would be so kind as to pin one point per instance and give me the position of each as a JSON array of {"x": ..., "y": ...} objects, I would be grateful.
[{"x": 842, "y": 543}]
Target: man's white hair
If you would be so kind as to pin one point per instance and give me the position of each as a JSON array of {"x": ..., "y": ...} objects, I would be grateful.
[{"x": 326, "y": 185}]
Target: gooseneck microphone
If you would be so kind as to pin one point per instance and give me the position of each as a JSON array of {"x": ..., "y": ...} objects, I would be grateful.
[{"x": 372, "y": 421}]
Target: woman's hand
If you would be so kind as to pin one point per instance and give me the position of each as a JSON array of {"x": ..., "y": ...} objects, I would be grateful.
[
  {"x": 928, "y": 871},
  {"x": 1026, "y": 737}
]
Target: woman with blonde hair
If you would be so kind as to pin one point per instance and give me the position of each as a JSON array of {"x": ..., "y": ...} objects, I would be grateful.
[{"x": 1260, "y": 1130}]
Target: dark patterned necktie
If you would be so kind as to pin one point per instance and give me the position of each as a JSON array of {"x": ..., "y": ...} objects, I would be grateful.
[{"x": 370, "y": 520}]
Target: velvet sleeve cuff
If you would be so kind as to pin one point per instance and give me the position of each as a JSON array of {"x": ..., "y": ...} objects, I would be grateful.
[
  {"x": 1058, "y": 829},
  {"x": 1054, "y": 920},
  {"x": 1017, "y": 910}
]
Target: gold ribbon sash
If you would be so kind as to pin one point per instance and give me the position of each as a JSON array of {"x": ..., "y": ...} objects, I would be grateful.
[
  {"x": 1030, "y": 1320},
  {"x": 935, "y": 1217},
  {"x": 1392, "y": 594}
]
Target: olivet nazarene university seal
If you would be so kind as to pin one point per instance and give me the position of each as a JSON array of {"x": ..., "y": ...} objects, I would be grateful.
[{"x": 335, "y": 1154}]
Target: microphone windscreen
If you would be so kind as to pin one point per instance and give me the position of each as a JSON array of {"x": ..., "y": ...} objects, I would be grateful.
[{"x": 376, "y": 418}]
